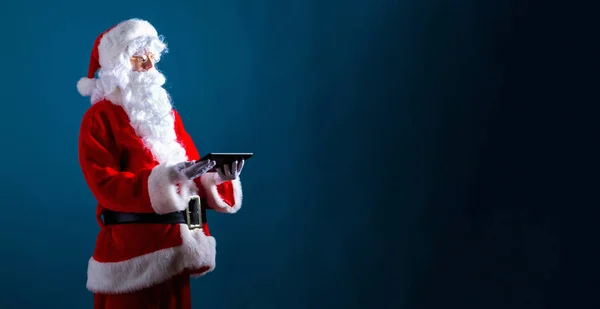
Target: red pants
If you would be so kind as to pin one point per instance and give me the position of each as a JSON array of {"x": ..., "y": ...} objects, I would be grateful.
[{"x": 172, "y": 294}]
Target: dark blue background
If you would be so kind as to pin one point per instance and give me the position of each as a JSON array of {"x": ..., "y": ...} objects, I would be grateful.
[{"x": 409, "y": 154}]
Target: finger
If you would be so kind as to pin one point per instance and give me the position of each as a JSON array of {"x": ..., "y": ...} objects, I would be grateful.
[
  {"x": 212, "y": 164},
  {"x": 187, "y": 170},
  {"x": 209, "y": 166},
  {"x": 193, "y": 170},
  {"x": 199, "y": 164},
  {"x": 240, "y": 166},
  {"x": 220, "y": 172},
  {"x": 234, "y": 167},
  {"x": 227, "y": 170},
  {"x": 205, "y": 167},
  {"x": 191, "y": 165},
  {"x": 201, "y": 161}
]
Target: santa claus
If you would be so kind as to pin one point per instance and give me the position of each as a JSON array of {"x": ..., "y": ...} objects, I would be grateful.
[{"x": 146, "y": 174}]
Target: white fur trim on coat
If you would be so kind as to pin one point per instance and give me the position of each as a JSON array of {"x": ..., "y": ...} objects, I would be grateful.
[
  {"x": 197, "y": 251},
  {"x": 215, "y": 201},
  {"x": 165, "y": 197}
]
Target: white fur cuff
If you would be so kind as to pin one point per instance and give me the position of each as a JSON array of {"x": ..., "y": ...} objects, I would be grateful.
[{"x": 165, "y": 196}]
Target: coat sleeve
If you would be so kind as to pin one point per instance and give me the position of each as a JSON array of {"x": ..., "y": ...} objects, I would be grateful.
[
  {"x": 225, "y": 197},
  {"x": 145, "y": 191}
]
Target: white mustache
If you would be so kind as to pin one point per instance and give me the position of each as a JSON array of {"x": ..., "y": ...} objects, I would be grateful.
[{"x": 147, "y": 78}]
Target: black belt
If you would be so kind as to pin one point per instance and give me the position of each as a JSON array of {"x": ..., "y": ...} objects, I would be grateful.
[{"x": 193, "y": 216}]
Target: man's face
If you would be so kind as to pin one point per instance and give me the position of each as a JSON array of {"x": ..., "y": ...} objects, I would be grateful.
[{"x": 142, "y": 62}]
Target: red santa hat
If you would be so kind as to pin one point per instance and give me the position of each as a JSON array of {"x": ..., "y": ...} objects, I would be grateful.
[{"x": 109, "y": 45}]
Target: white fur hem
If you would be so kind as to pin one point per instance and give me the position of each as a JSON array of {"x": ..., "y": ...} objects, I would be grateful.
[
  {"x": 197, "y": 251},
  {"x": 166, "y": 197},
  {"x": 215, "y": 201}
]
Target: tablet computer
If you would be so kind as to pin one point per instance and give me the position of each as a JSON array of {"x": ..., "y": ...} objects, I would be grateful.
[{"x": 226, "y": 158}]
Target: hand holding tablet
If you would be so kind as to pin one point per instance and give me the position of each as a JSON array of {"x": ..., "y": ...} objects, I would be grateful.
[{"x": 225, "y": 161}]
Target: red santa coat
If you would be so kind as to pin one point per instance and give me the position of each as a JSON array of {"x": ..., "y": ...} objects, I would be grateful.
[{"x": 123, "y": 176}]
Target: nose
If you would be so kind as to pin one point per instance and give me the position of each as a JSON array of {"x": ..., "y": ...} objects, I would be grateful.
[{"x": 148, "y": 64}]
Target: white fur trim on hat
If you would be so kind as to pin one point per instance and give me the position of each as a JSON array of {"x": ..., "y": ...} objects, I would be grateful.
[
  {"x": 115, "y": 42},
  {"x": 85, "y": 86}
]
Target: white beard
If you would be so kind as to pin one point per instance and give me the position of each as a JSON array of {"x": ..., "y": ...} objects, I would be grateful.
[{"x": 149, "y": 109}]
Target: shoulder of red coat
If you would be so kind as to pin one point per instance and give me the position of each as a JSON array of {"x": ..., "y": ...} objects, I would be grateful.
[
  {"x": 103, "y": 109},
  {"x": 105, "y": 105},
  {"x": 176, "y": 116}
]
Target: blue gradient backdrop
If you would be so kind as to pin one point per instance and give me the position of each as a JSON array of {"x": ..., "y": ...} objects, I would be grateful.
[
  {"x": 389, "y": 138},
  {"x": 291, "y": 81}
]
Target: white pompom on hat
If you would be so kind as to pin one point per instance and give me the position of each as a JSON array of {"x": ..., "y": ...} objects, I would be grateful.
[{"x": 109, "y": 45}]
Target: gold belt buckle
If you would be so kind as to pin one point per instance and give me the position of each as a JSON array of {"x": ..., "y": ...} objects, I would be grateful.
[{"x": 193, "y": 215}]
